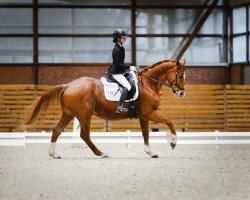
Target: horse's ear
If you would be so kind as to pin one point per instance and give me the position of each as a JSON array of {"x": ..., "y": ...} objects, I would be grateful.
[{"x": 182, "y": 62}]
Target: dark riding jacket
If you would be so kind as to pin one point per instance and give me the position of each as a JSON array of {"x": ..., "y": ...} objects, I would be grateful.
[{"x": 118, "y": 66}]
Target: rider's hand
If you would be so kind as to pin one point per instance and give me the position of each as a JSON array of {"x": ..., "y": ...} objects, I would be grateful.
[{"x": 135, "y": 69}]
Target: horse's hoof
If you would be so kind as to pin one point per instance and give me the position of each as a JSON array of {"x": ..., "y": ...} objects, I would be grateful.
[
  {"x": 172, "y": 145},
  {"x": 104, "y": 156},
  {"x": 55, "y": 156},
  {"x": 155, "y": 156}
]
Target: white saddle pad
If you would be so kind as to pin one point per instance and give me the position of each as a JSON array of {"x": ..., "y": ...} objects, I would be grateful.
[{"x": 112, "y": 91}]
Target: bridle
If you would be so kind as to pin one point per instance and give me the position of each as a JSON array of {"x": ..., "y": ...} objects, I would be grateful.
[{"x": 175, "y": 87}]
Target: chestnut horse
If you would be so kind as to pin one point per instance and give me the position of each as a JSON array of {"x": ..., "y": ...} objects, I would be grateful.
[{"x": 84, "y": 97}]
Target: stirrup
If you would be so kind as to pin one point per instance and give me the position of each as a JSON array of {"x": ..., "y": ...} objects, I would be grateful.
[{"x": 121, "y": 109}]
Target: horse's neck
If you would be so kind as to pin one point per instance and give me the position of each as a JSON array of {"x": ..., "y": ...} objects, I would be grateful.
[{"x": 161, "y": 69}]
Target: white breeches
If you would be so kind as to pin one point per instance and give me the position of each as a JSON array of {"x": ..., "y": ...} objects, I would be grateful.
[{"x": 122, "y": 80}]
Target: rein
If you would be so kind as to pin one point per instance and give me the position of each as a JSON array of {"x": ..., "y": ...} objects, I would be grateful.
[{"x": 152, "y": 79}]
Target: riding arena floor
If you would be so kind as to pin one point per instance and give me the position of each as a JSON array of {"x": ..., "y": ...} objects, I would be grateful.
[{"x": 188, "y": 172}]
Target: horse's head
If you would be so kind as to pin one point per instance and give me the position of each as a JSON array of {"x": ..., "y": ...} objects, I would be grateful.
[
  {"x": 168, "y": 73},
  {"x": 176, "y": 78}
]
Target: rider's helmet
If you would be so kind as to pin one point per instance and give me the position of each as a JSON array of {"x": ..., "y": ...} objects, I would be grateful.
[{"x": 117, "y": 34}]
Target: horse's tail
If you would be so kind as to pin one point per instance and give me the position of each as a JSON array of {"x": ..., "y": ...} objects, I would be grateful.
[{"x": 48, "y": 98}]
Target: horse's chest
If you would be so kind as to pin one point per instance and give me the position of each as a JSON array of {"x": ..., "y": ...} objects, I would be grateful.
[{"x": 156, "y": 106}]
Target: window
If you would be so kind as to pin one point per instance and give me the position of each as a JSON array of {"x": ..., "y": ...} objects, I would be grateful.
[
  {"x": 174, "y": 2},
  {"x": 16, "y": 1},
  {"x": 80, "y": 31},
  {"x": 239, "y": 20},
  {"x": 16, "y": 50},
  {"x": 166, "y": 21},
  {"x": 249, "y": 47},
  {"x": 151, "y": 50},
  {"x": 240, "y": 37},
  {"x": 206, "y": 51},
  {"x": 239, "y": 49},
  {"x": 85, "y": 2},
  {"x": 78, "y": 50},
  {"x": 215, "y": 24},
  {"x": 171, "y": 2},
  {"x": 169, "y": 21},
  {"x": 16, "y": 20},
  {"x": 201, "y": 51},
  {"x": 84, "y": 21},
  {"x": 248, "y": 17}
]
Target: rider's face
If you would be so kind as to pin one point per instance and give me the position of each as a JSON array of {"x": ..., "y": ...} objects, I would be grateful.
[{"x": 122, "y": 39}]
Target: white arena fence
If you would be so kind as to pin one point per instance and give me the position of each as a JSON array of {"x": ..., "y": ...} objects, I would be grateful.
[{"x": 128, "y": 138}]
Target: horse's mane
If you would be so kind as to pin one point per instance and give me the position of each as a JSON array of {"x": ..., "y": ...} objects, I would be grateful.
[{"x": 156, "y": 64}]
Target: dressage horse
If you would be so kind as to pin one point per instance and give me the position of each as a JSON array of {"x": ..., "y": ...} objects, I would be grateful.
[{"x": 84, "y": 97}]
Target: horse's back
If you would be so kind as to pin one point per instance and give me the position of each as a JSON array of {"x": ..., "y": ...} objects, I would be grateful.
[
  {"x": 83, "y": 80},
  {"x": 82, "y": 84}
]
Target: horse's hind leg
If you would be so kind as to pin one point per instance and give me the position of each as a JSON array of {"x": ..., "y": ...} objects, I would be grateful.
[
  {"x": 64, "y": 121},
  {"x": 85, "y": 135}
]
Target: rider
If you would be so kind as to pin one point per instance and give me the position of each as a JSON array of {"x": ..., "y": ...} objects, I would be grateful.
[{"x": 118, "y": 68}]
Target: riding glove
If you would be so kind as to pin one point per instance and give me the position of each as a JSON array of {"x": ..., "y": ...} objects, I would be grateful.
[{"x": 135, "y": 69}]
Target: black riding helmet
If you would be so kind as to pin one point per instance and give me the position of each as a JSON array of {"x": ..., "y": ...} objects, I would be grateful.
[{"x": 117, "y": 34}]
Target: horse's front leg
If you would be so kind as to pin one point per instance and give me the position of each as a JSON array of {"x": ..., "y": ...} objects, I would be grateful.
[
  {"x": 156, "y": 117},
  {"x": 145, "y": 133}
]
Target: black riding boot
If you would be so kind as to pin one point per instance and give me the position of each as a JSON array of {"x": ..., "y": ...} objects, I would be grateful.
[{"x": 120, "y": 108}]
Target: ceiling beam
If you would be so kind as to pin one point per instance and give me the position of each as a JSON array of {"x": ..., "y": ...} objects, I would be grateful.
[{"x": 187, "y": 41}]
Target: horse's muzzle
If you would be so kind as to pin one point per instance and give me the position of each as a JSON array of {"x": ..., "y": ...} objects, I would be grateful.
[
  {"x": 181, "y": 93},
  {"x": 178, "y": 93}
]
